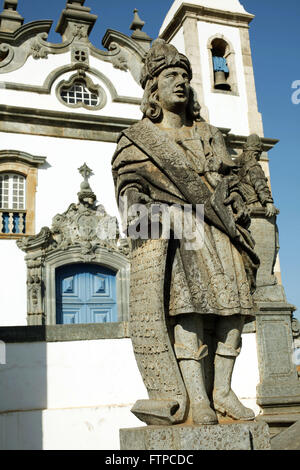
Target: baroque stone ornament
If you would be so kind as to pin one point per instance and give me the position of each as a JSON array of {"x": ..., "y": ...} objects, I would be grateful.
[
  {"x": 38, "y": 51},
  {"x": 119, "y": 59},
  {"x": 84, "y": 233},
  {"x": 179, "y": 295}
]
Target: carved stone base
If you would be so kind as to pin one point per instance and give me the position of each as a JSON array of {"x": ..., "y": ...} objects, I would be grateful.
[
  {"x": 236, "y": 436},
  {"x": 279, "y": 386}
]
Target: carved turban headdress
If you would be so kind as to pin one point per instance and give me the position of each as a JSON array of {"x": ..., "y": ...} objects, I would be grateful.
[
  {"x": 161, "y": 56},
  {"x": 253, "y": 143}
]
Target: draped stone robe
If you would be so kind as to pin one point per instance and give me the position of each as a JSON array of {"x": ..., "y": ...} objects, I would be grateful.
[
  {"x": 167, "y": 279},
  {"x": 217, "y": 278}
]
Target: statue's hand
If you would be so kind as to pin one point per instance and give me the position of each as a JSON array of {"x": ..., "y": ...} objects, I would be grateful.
[
  {"x": 271, "y": 210},
  {"x": 137, "y": 197},
  {"x": 233, "y": 182},
  {"x": 240, "y": 211}
]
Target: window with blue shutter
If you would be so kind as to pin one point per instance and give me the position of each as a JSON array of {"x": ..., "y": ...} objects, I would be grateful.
[{"x": 85, "y": 293}]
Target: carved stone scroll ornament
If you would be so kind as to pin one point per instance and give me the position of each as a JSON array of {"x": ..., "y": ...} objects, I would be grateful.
[
  {"x": 119, "y": 57},
  {"x": 151, "y": 342},
  {"x": 38, "y": 51},
  {"x": 86, "y": 225},
  {"x": 6, "y": 55},
  {"x": 35, "y": 288},
  {"x": 79, "y": 32}
]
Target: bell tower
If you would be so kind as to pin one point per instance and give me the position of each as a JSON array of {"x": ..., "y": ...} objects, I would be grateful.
[{"x": 214, "y": 34}]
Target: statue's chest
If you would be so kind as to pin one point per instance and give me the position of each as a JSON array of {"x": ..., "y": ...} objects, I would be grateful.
[{"x": 194, "y": 152}]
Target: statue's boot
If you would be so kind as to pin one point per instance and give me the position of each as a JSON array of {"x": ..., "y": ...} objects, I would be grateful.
[
  {"x": 225, "y": 400},
  {"x": 190, "y": 356},
  {"x": 200, "y": 410}
]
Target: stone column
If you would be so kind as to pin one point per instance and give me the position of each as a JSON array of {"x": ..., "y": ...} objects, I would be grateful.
[
  {"x": 255, "y": 118},
  {"x": 192, "y": 49}
]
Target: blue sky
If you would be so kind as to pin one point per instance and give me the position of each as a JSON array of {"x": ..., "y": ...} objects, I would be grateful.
[{"x": 275, "y": 49}]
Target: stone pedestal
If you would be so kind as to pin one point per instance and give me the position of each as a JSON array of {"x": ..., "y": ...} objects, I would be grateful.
[
  {"x": 278, "y": 393},
  {"x": 279, "y": 382},
  {"x": 236, "y": 436}
]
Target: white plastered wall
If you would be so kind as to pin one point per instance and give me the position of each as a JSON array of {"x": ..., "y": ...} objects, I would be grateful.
[
  {"x": 225, "y": 5},
  {"x": 225, "y": 110},
  {"x": 178, "y": 41},
  {"x": 68, "y": 395},
  {"x": 35, "y": 72},
  {"x": 77, "y": 395},
  {"x": 13, "y": 298}
]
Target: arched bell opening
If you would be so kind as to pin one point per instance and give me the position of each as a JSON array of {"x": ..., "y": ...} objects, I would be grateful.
[{"x": 219, "y": 51}]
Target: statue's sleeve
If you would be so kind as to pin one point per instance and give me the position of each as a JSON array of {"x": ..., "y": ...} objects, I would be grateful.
[
  {"x": 259, "y": 183},
  {"x": 220, "y": 150},
  {"x": 125, "y": 169}
]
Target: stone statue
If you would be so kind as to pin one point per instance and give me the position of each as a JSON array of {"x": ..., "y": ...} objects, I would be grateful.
[
  {"x": 259, "y": 200},
  {"x": 187, "y": 306},
  {"x": 253, "y": 181}
]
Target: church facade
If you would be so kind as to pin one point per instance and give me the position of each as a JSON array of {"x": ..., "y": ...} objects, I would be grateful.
[{"x": 68, "y": 375}]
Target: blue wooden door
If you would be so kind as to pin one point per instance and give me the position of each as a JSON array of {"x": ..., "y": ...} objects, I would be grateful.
[{"x": 85, "y": 293}]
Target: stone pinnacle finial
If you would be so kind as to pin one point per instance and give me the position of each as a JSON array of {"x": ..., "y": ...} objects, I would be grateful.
[
  {"x": 79, "y": 2},
  {"x": 76, "y": 21},
  {"x": 10, "y": 5},
  {"x": 85, "y": 189},
  {"x": 139, "y": 35},
  {"x": 86, "y": 172},
  {"x": 10, "y": 18},
  {"x": 137, "y": 23}
]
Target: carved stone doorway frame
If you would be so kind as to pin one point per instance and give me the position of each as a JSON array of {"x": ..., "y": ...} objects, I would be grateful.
[{"x": 114, "y": 261}]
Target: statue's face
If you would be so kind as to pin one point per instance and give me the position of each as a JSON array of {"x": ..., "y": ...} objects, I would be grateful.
[{"x": 173, "y": 88}]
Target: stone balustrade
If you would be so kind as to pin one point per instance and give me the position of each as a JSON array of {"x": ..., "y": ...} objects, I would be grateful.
[{"x": 12, "y": 221}]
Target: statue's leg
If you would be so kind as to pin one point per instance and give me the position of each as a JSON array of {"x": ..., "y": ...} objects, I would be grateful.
[
  {"x": 190, "y": 352},
  {"x": 228, "y": 333}
]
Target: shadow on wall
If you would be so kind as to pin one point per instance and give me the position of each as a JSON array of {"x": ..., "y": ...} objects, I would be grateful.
[{"x": 23, "y": 393}]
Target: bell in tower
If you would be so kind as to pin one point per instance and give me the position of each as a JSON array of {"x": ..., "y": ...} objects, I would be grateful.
[{"x": 220, "y": 66}]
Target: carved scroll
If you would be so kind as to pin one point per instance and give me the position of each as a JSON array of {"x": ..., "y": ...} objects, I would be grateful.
[{"x": 149, "y": 334}]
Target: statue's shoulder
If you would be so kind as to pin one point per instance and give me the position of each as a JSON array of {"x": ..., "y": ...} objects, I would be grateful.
[
  {"x": 206, "y": 128},
  {"x": 126, "y": 149},
  {"x": 138, "y": 129}
]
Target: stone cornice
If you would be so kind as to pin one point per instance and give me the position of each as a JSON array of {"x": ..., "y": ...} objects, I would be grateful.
[
  {"x": 209, "y": 15},
  {"x": 61, "y": 124},
  {"x": 17, "y": 155},
  {"x": 238, "y": 141},
  {"x": 92, "y": 127},
  {"x": 111, "y": 36},
  {"x": 62, "y": 333},
  {"x": 25, "y": 32}
]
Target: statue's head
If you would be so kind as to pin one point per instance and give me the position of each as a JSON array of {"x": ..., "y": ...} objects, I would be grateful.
[
  {"x": 166, "y": 78},
  {"x": 253, "y": 147}
]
